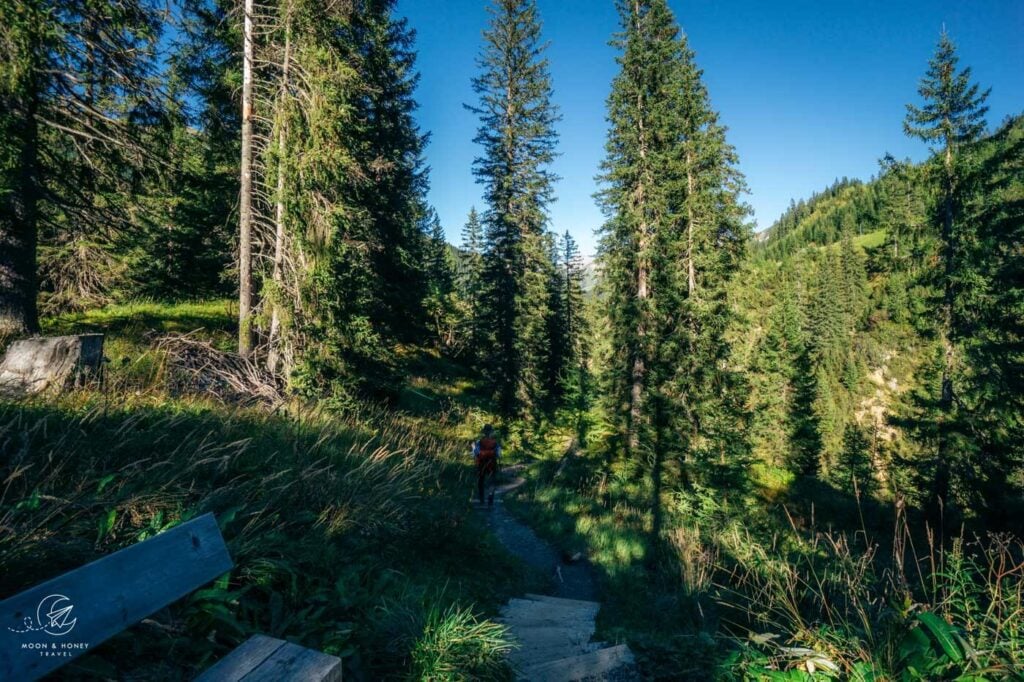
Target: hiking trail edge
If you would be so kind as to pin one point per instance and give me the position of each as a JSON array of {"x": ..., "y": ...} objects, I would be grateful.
[{"x": 553, "y": 632}]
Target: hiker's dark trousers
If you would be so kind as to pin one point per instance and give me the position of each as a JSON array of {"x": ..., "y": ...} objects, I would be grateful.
[{"x": 485, "y": 471}]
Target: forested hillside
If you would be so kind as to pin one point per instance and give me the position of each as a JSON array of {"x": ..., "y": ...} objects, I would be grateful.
[
  {"x": 790, "y": 455},
  {"x": 842, "y": 333}
]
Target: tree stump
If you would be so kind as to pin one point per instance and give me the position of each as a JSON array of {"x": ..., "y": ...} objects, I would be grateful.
[{"x": 34, "y": 365}]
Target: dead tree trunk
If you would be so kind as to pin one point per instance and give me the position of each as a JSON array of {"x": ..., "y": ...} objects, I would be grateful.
[
  {"x": 273, "y": 353},
  {"x": 245, "y": 204}
]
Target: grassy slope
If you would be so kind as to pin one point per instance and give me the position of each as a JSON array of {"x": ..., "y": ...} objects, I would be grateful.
[{"x": 349, "y": 533}]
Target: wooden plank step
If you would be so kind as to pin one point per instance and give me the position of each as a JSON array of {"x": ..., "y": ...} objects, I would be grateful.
[
  {"x": 79, "y": 610},
  {"x": 539, "y": 620},
  {"x": 534, "y": 607},
  {"x": 579, "y": 666},
  {"x": 526, "y": 658},
  {"x": 562, "y": 601},
  {"x": 265, "y": 659},
  {"x": 551, "y": 635}
]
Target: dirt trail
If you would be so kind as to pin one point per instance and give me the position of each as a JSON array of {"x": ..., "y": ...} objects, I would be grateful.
[
  {"x": 568, "y": 580},
  {"x": 554, "y": 631}
]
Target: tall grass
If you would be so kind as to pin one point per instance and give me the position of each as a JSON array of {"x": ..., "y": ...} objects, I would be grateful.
[
  {"x": 329, "y": 517},
  {"x": 844, "y": 607},
  {"x": 737, "y": 588},
  {"x": 447, "y": 643}
]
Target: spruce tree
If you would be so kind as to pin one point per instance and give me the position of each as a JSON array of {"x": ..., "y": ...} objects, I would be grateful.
[
  {"x": 558, "y": 341},
  {"x": 441, "y": 302},
  {"x": 518, "y": 139},
  {"x": 990, "y": 315},
  {"x": 75, "y": 86},
  {"x": 639, "y": 174},
  {"x": 471, "y": 281},
  {"x": 953, "y": 115},
  {"x": 390, "y": 149},
  {"x": 674, "y": 237},
  {"x": 576, "y": 374}
]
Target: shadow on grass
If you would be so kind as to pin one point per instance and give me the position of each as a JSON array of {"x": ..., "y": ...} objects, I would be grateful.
[{"x": 335, "y": 525}]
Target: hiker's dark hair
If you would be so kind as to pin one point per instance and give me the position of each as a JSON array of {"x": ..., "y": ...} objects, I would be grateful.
[{"x": 488, "y": 429}]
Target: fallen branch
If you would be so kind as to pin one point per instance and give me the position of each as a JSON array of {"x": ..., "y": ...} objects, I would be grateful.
[{"x": 197, "y": 366}]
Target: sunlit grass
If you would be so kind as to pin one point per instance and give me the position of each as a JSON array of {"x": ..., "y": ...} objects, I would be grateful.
[
  {"x": 870, "y": 240},
  {"x": 130, "y": 322}
]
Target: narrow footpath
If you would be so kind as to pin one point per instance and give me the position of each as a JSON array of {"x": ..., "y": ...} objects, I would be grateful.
[{"x": 554, "y": 631}]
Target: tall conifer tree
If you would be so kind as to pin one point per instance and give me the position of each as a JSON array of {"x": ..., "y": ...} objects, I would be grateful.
[
  {"x": 953, "y": 115},
  {"x": 675, "y": 235},
  {"x": 75, "y": 80},
  {"x": 471, "y": 282},
  {"x": 518, "y": 139}
]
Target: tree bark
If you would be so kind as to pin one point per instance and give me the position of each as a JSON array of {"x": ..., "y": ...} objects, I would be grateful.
[
  {"x": 942, "y": 477},
  {"x": 691, "y": 276},
  {"x": 18, "y": 227},
  {"x": 273, "y": 353},
  {"x": 639, "y": 368},
  {"x": 245, "y": 204}
]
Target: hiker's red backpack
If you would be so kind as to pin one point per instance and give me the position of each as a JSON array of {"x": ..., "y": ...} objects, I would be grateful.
[{"x": 488, "y": 453}]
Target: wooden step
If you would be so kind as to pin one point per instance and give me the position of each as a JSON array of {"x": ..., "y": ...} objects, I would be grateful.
[
  {"x": 564, "y": 602},
  {"x": 532, "y": 636},
  {"x": 579, "y": 666},
  {"x": 523, "y": 619},
  {"x": 264, "y": 659},
  {"x": 538, "y": 608},
  {"x": 527, "y": 658},
  {"x": 523, "y": 608}
]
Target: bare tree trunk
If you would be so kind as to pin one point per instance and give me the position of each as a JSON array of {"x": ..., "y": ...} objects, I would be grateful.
[
  {"x": 657, "y": 485},
  {"x": 942, "y": 477},
  {"x": 245, "y": 206},
  {"x": 273, "y": 354},
  {"x": 691, "y": 276},
  {"x": 639, "y": 368},
  {"x": 19, "y": 224}
]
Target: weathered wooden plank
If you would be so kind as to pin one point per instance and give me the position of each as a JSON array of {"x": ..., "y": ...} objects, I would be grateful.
[
  {"x": 581, "y": 607},
  {"x": 292, "y": 662},
  {"x": 545, "y": 635},
  {"x": 242, "y": 660},
  {"x": 48, "y": 625},
  {"x": 562, "y": 601},
  {"x": 582, "y": 666}
]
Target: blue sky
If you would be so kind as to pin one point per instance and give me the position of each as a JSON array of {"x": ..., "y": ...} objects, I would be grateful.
[{"x": 810, "y": 89}]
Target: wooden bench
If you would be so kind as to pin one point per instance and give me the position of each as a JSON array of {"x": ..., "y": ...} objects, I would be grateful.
[{"x": 53, "y": 623}]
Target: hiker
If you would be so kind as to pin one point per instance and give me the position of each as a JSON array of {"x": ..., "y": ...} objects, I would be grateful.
[{"x": 486, "y": 452}]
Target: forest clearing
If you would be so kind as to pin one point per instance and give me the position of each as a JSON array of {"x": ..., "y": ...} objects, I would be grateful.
[{"x": 263, "y": 415}]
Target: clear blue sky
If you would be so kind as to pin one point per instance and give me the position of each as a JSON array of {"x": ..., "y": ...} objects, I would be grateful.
[{"x": 810, "y": 89}]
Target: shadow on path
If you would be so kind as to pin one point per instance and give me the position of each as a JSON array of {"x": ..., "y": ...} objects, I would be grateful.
[{"x": 568, "y": 580}]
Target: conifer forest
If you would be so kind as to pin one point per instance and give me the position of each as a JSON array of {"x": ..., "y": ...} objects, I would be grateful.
[{"x": 789, "y": 448}]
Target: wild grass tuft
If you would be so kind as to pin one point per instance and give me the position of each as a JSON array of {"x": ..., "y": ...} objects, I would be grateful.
[{"x": 454, "y": 645}]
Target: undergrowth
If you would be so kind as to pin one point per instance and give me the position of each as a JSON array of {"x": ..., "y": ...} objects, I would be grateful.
[
  {"x": 808, "y": 585},
  {"x": 336, "y": 522}
]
